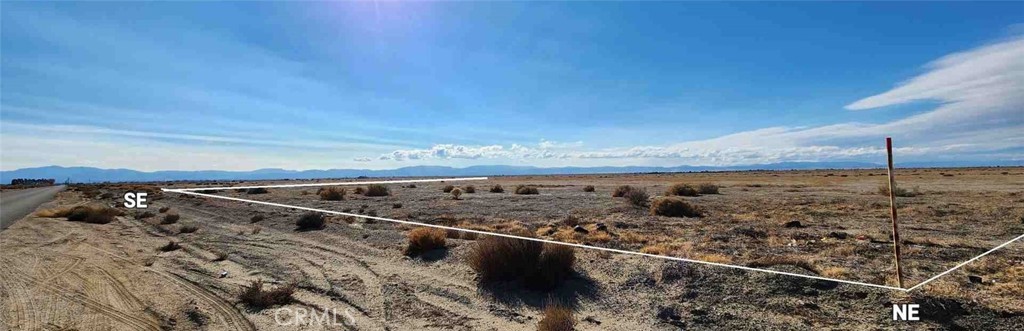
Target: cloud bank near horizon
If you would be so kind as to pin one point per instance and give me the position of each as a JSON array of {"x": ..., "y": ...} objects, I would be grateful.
[{"x": 980, "y": 96}]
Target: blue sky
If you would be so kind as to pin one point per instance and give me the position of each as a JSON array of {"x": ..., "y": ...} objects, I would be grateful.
[{"x": 240, "y": 86}]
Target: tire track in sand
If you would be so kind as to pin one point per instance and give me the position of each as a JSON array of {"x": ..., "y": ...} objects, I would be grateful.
[{"x": 228, "y": 313}]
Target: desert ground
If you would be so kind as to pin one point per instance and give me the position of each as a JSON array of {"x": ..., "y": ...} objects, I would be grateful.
[{"x": 124, "y": 275}]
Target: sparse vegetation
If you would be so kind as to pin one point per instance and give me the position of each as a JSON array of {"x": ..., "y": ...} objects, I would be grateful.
[
  {"x": 456, "y": 193},
  {"x": 469, "y": 189},
  {"x": 170, "y": 246},
  {"x": 255, "y": 297},
  {"x": 164, "y": 209},
  {"x": 170, "y": 219},
  {"x": 310, "y": 221},
  {"x": 377, "y": 190},
  {"x": 526, "y": 189},
  {"x": 621, "y": 191},
  {"x": 219, "y": 256},
  {"x": 588, "y": 188},
  {"x": 556, "y": 318},
  {"x": 497, "y": 189},
  {"x": 536, "y": 265},
  {"x": 425, "y": 239},
  {"x": 188, "y": 228},
  {"x": 85, "y": 214},
  {"x": 144, "y": 215},
  {"x": 359, "y": 190},
  {"x": 685, "y": 190},
  {"x": 707, "y": 188},
  {"x": 332, "y": 193},
  {"x": 257, "y": 190},
  {"x": 900, "y": 192},
  {"x": 637, "y": 197},
  {"x": 448, "y": 188},
  {"x": 256, "y": 218},
  {"x": 673, "y": 207}
]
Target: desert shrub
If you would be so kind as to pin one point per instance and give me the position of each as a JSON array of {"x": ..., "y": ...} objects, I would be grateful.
[
  {"x": 219, "y": 256},
  {"x": 707, "y": 188},
  {"x": 359, "y": 190},
  {"x": 411, "y": 186},
  {"x": 537, "y": 265},
  {"x": 188, "y": 228},
  {"x": 556, "y": 318},
  {"x": 310, "y": 221},
  {"x": 85, "y": 214},
  {"x": 255, "y": 297},
  {"x": 501, "y": 258},
  {"x": 900, "y": 192},
  {"x": 145, "y": 214},
  {"x": 377, "y": 190},
  {"x": 621, "y": 191},
  {"x": 588, "y": 188},
  {"x": 256, "y": 218},
  {"x": 553, "y": 266},
  {"x": 497, "y": 189},
  {"x": 170, "y": 246},
  {"x": 469, "y": 189},
  {"x": 637, "y": 197},
  {"x": 170, "y": 219},
  {"x": 332, "y": 193},
  {"x": 673, "y": 207},
  {"x": 164, "y": 209},
  {"x": 425, "y": 239},
  {"x": 525, "y": 189},
  {"x": 396, "y": 205},
  {"x": 257, "y": 190},
  {"x": 685, "y": 190},
  {"x": 448, "y": 188},
  {"x": 456, "y": 193}
]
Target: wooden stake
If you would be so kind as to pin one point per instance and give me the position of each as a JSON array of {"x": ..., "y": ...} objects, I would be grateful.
[{"x": 892, "y": 208}]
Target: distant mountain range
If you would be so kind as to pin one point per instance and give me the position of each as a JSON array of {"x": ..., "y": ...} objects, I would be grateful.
[{"x": 92, "y": 175}]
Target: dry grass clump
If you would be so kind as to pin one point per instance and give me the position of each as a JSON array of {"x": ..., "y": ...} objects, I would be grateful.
[
  {"x": 377, "y": 190},
  {"x": 526, "y": 189},
  {"x": 255, "y": 297},
  {"x": 588, "y": 188},
  {"x": 536, "y": 265},
  {"x": 170, "y": 219},
  {"x": 448, "y": 188},
  {"x": 171, "y": 246},
  {"x": 85, "y": 214},
  {"x": 707, "y": 188},
  {"x": 497, "y": 189},
  {"x": 257, "y": 218},
  {"x": 456, "y": 193},
  {"x": 219, "y": 256},
  {"x": 188, "y": 228},
  {"x": 900, "y": 192},
  {"x": 556, "y": 318},
  {"x": 674, "y": 207},
  {"x": 144, "y": 215},
  {"x": 359, "y": 190},
  {"x": 469, "y": 189},
  {"x": 802, "y": 262},
  {"x": 685, "y": 190},
  {"x": 164, "y": 209},
  {"x": 637, "y": 198},
  {"x": 257, "y": 190},
  {"x": 425, "y": 239},
  {"x": 621, "y": 191},
  {"x": 332, "y": 193},
  {"x": 310, "y": 221}
]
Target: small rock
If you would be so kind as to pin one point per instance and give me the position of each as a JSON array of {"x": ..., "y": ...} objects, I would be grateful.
[
  {"x": 793, "y": 224},
  {"x": 580, "y": 229},
  {"x": 591, "y": 319},
  {"x": 223, "y": 273},
  {"x": 975, "y": 279}
]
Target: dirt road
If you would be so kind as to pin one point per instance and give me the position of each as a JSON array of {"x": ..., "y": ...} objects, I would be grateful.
[{"x": 15, "y": 204}]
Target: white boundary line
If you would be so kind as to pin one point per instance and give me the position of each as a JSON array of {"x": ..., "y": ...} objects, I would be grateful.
[
  {"x": 965, "y": 263},
  {"x": 190, "y": 192},
  {"x": 183, "y": 190}
]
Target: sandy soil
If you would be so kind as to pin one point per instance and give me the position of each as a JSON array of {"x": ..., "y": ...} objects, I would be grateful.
[{"x": 66, "y": 275}]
